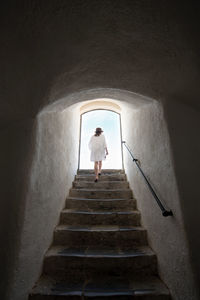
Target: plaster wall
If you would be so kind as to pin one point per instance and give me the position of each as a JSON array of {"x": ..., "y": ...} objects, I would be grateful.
[
  {"x": 146, "y": 133},
  {"x": 16, "y": 151},
  {"x": 183, "y": 125},
  {"x": 53, "y": 168}
]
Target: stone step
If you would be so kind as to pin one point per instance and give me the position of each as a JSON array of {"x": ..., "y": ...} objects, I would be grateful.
[
  {"x": 106, "y": 177},
  {"x": 99, "y": 194},
  {"x": 81, "y": 217},
  {"x": 103, "y": 171},
  {"x": 100, "y": 184},
  {"x": 103, "y": 253},
  {"x": 67, "y": 263},
  {"x": 143, "y": 288},
  {"x": 100, "y": 204},
  {"x": 102, "y": 236}
]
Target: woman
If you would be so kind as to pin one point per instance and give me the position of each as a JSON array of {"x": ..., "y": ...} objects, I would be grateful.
[{"x": 99, "y": 150}]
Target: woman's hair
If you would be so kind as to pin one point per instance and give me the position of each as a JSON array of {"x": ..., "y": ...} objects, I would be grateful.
[{"x": 98, "y": 131}]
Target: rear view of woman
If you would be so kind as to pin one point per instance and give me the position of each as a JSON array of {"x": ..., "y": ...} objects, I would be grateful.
[{"x": 98, "y": 148}]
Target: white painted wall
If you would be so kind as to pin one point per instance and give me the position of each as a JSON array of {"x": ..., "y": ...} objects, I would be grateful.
[
  {"x": 54, "y": 165},
  {"x": 145, "y": 132},
  {"x": 54, "y": 145}
]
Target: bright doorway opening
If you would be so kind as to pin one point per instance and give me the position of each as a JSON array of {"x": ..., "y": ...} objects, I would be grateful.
[{"x": 110, "y": 122}]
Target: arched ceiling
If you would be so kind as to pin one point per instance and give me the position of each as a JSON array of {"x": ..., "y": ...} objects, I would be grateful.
[
  {"x": 99, "y": 98},
  {"x": 51, "y": 49},
  {"x": 106, "y": 104}
]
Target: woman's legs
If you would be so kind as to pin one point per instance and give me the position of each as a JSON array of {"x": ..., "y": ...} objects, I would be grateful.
[
  {"x": 100, "y": 166},
  {"x": 97, "y": 168}
]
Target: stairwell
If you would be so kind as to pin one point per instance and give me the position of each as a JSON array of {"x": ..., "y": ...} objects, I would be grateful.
[{"x": 100, "y": 250}]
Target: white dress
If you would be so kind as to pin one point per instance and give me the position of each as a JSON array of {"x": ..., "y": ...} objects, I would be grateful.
[{"x": 97, "y": 146}]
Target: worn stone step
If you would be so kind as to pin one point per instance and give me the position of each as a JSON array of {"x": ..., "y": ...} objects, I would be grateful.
[
  {"x": 106, "y": 177},
  {"x": 100, "y": 185},
  {"x": 103, "y": 171},
  {"x": 102, "y": 236},
  {"x": 100, "y": 204},
  {"x": 62, "y": 262},
  {"x": 81, "y": 217},
  {"x": 143, "y": 288},
  {"x": 99, "y": 194}
]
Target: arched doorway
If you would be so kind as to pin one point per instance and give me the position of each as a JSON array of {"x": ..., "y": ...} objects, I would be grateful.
[{"x": 110, "y": 122}]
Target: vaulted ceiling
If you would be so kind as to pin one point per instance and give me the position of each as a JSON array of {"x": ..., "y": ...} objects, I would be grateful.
[{"x": 50, "y": 49}]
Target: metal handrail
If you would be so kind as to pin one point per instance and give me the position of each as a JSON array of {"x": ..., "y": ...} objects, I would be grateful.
[{"x": 165, "y": 212}]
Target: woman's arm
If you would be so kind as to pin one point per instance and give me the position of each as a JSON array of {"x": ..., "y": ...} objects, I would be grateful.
[
  {"x": 105, "y": 145},
  {"x": 90, "y": 143}
]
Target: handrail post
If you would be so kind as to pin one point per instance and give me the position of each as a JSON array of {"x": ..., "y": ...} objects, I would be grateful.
[{"x": 165, "y": 212}]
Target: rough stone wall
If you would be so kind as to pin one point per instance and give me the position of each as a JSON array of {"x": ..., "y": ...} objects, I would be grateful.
[{"x": 146, "y": 133}]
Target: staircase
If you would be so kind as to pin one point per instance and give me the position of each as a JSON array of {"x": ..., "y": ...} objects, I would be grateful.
[{"x": 100, "y": 250}]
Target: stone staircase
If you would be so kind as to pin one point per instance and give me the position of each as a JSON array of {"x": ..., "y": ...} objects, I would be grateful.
[{"x": 100, "y": 250}]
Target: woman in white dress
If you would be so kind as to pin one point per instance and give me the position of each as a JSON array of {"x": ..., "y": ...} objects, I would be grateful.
[{"x": 98, "y": 148}]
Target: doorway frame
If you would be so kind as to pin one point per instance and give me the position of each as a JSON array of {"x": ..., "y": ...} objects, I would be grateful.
[{"x": 80, "y": 132}]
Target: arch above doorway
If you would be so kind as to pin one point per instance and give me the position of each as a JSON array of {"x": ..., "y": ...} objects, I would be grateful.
[
  {"x": 106, "y": 104},
  {"x": 111, "y": 95}
]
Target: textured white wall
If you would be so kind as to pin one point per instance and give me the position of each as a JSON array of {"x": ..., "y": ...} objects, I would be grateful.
[
  {"x": 146, "y": 133},
  {"x": 50, "y": 150},
  {"x": 54, "y": 166}
]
